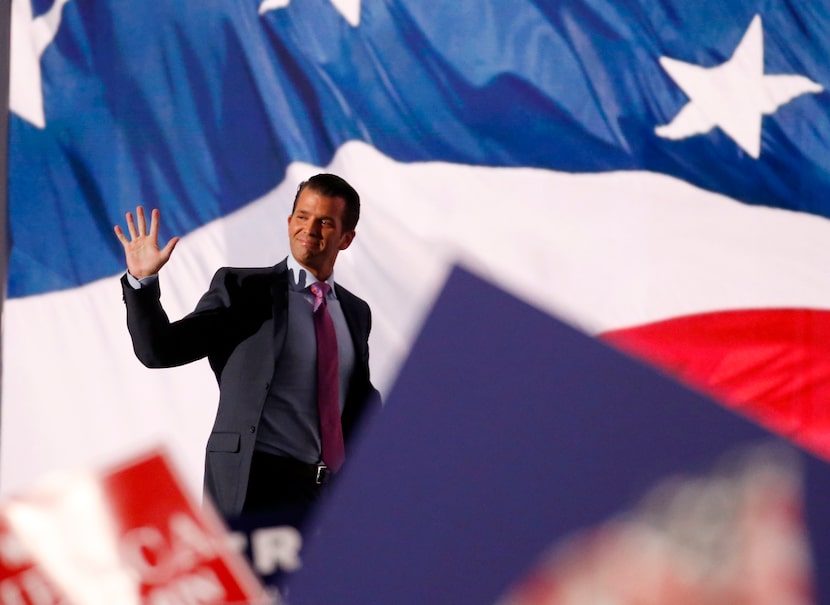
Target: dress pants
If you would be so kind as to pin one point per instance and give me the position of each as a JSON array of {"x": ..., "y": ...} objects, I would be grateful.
[{"x": 282, "y": 488}]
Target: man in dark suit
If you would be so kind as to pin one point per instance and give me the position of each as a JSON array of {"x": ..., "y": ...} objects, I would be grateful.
[{"x": 258, "y": 327}]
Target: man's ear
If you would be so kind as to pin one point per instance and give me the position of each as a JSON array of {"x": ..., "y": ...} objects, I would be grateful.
[{"x": 346, "y": 239}]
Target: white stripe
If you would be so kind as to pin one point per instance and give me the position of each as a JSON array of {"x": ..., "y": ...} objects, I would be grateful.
[{"x": 606, "y": 251}]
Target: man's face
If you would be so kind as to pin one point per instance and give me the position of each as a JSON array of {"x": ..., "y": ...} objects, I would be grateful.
[{"x": 315, "y": 232}]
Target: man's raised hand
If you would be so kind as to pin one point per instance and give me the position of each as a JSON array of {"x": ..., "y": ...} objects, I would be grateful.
[{"x": 141, "y": 250}]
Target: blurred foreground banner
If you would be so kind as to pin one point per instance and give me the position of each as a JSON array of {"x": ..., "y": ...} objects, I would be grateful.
[
  {"x": 735, "y": 536},
  {"x": 491, "y": 478},
  {"x": 128, "y": 536},
  {"x": 520, "y": 462}
]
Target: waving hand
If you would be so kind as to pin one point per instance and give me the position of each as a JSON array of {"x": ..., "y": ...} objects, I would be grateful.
[{"x": 141, "y": 249}]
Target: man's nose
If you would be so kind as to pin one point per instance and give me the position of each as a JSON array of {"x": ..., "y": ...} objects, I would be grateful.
[{"x": 315, "y": 228}]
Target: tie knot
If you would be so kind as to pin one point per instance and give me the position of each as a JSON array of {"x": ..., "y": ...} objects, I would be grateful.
[{"x": 320, "y": 291}]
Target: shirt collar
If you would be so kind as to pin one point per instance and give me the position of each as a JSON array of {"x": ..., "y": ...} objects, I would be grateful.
[{"x": 301, "y": 278}]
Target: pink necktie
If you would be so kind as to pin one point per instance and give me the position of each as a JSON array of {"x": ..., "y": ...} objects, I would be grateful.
[{"x": 328, "y": 401}]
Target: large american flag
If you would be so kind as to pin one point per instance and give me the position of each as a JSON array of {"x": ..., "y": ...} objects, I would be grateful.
[{"x": 655, "y": 172}]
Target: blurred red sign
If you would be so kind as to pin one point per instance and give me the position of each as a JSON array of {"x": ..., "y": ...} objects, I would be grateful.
[{"x": 128, "y": 536}]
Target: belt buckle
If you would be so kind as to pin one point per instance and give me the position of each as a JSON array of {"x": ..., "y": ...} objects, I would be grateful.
[{"x": 322, "y": 474}]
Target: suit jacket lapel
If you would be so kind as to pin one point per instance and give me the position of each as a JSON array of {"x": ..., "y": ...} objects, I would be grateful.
[{"x": 279, "y": 298}]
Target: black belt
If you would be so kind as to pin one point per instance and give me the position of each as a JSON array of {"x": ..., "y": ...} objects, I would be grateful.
[{"x": 318, "y": 474}]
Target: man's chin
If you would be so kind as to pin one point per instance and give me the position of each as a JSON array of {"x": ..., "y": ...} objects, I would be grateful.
[{"x": 304, "y": 255}]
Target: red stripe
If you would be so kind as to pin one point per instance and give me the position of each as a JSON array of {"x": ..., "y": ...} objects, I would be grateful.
[{"x": 771, "y": 365}]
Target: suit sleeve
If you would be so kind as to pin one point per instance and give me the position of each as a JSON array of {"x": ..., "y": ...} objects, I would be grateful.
[{"x": 160, "y": 343}]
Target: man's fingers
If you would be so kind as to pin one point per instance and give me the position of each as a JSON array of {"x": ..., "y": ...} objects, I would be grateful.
[
  {"x": 137, "y": 224},
  {"x": 154, "y": 224},
  {"x": 168, "y": 249},
  {"x": 142, "y": 247},
  {"x": 120, "y": 234},
  {"x": 131, "y": 225},
  {"x": 142, "y": 221}
]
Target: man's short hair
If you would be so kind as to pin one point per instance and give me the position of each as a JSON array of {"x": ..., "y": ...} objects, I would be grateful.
[{"x": 331, "y": 185}]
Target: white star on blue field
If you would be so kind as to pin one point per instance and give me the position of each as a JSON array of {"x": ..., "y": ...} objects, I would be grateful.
[{"x": 733, "y": 96}]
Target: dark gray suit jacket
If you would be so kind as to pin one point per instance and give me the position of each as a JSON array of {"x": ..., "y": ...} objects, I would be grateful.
[{"x": 240, "y": 325}]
